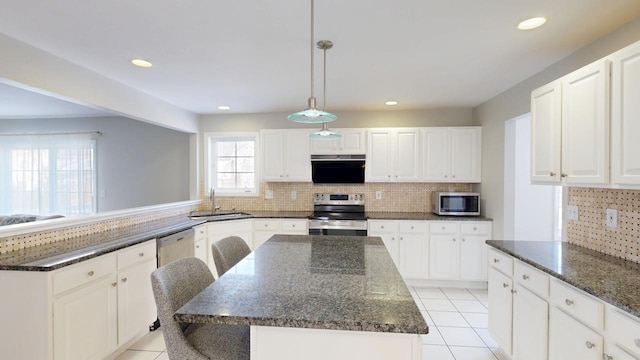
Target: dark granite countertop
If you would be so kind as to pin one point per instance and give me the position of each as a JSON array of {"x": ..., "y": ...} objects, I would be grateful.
[
  {"x": 611, "y": 279},
  {"x": 59, "y": 254},
  {"x": 421, "y": 216},
  {"x": 319, "y": 282}
]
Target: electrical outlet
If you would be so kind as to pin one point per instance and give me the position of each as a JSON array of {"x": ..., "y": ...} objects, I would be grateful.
[
  {"x": 612, "y": 218},
  {"x": 572, "y": 212},
  {"x": 268, "y": 194},
  {"x": 294, "y": 194},
  {"x": 378, "y": 195}
]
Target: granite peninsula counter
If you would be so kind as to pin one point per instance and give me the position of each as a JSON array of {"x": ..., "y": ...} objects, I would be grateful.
[{"x": 316, "y": 297}]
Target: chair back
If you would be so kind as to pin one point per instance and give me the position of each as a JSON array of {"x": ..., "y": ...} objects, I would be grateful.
[
  {"x": 228, "y": 252},
  {"x": 173, "y": 286}
]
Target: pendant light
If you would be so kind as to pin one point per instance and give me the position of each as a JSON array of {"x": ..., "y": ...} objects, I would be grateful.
[
  {"x": 324, "y": 132},
  {"x": 312, "y": 115}
]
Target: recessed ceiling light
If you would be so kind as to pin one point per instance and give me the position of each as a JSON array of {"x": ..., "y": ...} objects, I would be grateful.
[
  {"x": 141, "y": 63},
  {"x": 532, "y": 23},
  {"x": 223, "y": 107},
  {"x": 391, "y": 103}
]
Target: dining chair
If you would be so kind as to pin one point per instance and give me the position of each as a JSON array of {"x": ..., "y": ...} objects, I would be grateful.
[
  {"x": 173, "y": 286},
  {"x": 227, "y": 252}
]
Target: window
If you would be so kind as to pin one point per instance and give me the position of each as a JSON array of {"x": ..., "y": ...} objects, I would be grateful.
[
  {"x": 231, "y": 163},
  {"x": 48, "y": 174}
]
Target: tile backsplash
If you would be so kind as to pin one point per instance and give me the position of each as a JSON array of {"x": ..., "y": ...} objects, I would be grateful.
[
  {"x": 403, "y": 197},
  {"x": 590, "y": 229}
]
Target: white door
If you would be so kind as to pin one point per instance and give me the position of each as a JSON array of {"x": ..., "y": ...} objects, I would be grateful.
[
  {"x": 465, "y": 154},
  {"x": 200, "y": 250},
  {"x": 435, "y": 142},
  {"x": 379, "y": 155},
  {"x": 585, "y": 125},
  {"x": 297, "y": 156},
  {"x": 473, "y": 257},
  {"x": 352, "y": 141},
  {"x": 569, "y": 339},
  {"x": 414, "y": 256},
  {"x": 530, "y": 325},
  {"x": 546, "y": 127},
  {"x": 390, "y": 241},
  {"x": 136, "y": 305},
  {"x": 407, "y": 155},
  {"x": 272, "y": 155},
  {"x": 444, "y": 256},
  {"x": 85, "y": 322},
  {"x": 625, "y": 115},
  {"x": 500, "y": 306}
]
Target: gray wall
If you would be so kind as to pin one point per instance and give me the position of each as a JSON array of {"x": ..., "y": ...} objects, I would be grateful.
[
  {"x": 516, "y": 101},
  {"x": 139, "y": 164}
]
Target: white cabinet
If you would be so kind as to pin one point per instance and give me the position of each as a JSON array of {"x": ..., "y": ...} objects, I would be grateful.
[
  {"x": 625, "y": 112},
  {"x": 570, "y": 339},
  {"x": 452, "y": 154},
  {"x": 285, "y": 155},
  {"x": 200, "y": 243},
  {"x": 530, "y": 325},
  {"x": 218, "y": 230},
  {"x": 351, "y": 142},
  {"x": 263, "y": 229},
  {"x": 136, "y": 305},
  {"x": 500, "y": 308},
  {"x": 574, "y": 109},
  {"x": 458, "y": 251},
  {"x": 393, "y": 155},
  {"x": 407, "y": 243}
]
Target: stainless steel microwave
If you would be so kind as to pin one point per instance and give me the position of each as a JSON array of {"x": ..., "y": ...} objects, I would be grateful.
[{"x": 455, "y": 203}]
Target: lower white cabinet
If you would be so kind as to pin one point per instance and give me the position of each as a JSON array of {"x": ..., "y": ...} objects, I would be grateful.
[
  {"x": 530, "y": 325},
  {"x": 407, "y": 243},
  {"x": 458, "y": 250},
  {"x": 218, "y": 230},
  {"x": 570, "y": 339},
  {"x": 263, "y": 229},
  {"x": 200, "y": 243},
  {"x": 500, "y": 308},
  {"x": 136, "y": 305}
]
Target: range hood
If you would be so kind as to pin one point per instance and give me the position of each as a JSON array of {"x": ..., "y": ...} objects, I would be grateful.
[{"x": 338, "y": 169}]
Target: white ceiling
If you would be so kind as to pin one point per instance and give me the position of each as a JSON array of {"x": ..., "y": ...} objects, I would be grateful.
[{"x": 255, "y": 55}]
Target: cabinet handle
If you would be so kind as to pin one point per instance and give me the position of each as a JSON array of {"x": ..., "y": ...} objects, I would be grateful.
[
  {"x": 454, "y": 240},
  {"x": 412, "y": 228},
  {"x": 445, "y": 176},
  {"x": 443, "y": 228},
  {"x": 265, "y": 225},
  {"x": 401, "y": 238},
  {"x": 388, "y": 176},
  {"x": 495, "y": 261},
  {"x": 552, "y": 174},
  {"x": 124, "y": 279},
  {"x": 563, "y": 175},
  {"x": 90, "y": 273},
  {"x": 294, "y": 225},
  {"x": 114, "y": 284},
  {"x": 505, "y": 285},
  {"x": 590, "y": 345},
  {"x": 382, "y": 227},
  {"x": 197, "y": 246},
  {"x": 637, "y": 342},
  {"x": 393, "y": 238},
  {"x": 141, "y": 254},
  {"x": 569, "y": 302},
  {"x": 453, "y": 176},
  {"x": 513, "y": 291},
  {"x": 606, "y": 356},
  {"x": 463, "y": 240},
  {"x": 475, "y": 228},
  {"x": 525, "y": 277}
]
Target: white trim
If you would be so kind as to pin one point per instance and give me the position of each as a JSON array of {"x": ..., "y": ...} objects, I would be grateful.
[
  {"x": 230, "y": 136},
  {"x": 44, "y": 225}
]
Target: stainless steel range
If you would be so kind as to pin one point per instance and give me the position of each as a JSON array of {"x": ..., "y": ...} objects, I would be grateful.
[{"x": 338, "y": 214}]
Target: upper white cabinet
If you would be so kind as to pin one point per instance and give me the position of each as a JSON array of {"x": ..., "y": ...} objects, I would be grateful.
[
  {"x": 285, "y": 155},
  {"x": 351, "y": 142},
  {"x": 570, "y": 128},
  {"x": 452, "y": 154},
  {"x": 625, "y": 115},
  {"x": 393, "y": 155}
]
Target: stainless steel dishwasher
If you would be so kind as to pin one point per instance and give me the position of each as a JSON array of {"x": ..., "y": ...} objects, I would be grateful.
[{"x": 175, "y": 246}]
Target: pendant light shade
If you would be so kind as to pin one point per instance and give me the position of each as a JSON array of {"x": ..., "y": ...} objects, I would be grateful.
[
  {"x": 312, "y": 115},
  {"x": 325, "y": 133}
]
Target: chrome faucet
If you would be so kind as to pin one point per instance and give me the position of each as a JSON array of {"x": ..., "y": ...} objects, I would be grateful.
[{"x": 212, "y": 197}]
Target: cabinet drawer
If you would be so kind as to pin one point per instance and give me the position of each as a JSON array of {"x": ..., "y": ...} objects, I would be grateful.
[
  {"x": 294, "y": 226},
  {"x": 443, "y": 227},
  {"x": 259, "y": 225},
  {"x": 580, "y": 305},
  {"x": 83, "y": 273},
  {"x": 380, "y": 226},
  {"x": 624, "y": 330},
  {"x": 136, "y": 254},
  {"x": 413, "y": 227},
  {"x": 474, "y": 228},
  {"x": 532, "y": 279},
  {"x": 501, "y": 261},
  {"x": 201, "y": 232}
]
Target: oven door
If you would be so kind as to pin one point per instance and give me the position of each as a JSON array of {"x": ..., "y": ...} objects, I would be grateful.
[{"x": 338, "y": 227}]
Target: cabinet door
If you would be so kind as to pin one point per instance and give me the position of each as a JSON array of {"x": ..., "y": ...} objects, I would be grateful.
[
  {"x": 390, "y": 241},
  {"x": 500, "y": 306},
  {"x": 585, "y": 125},
  {"x": 530, "y": 325},
  {"x": 407, "y": 155},
  {"x": 625, "y": 112},
  {"x": 324, "y": 146},
  {"x": 379, "y": 155},
  {"x": 272, "y": 155},
  {"x": 444, "y": 256},
  {"x": 297, "y": 156},
  {"x": 613, "y": 352},
  {"x": 473, "y": 257},
  {"x": 570, "y": 339},
  {"x": 436, "y": 164},
  {"x": 136, "y": 305},
  {"x": 546, "y": 126},
  {"x": 352, "y": 141},
  {"x": 414, "y": 256},
  {"x": 260, "y": 237},
  {"x": 85, "y": 322},
  {"x": 200, "y": 250},
  {"x": 466, "y": 151}
]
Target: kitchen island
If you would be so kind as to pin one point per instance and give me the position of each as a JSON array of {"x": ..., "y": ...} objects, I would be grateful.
[{"x": 316, "y": 297}]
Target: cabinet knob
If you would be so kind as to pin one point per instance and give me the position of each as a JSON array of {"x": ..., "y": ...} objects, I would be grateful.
[
  {"x": 563, "y": 175},
  {"x": 606, "y": 356},
  {"x": 590, "y": 345},
  {"x": 505, "y": 285},
  {"x": 382, "y": 227},
  {"x": 412, "y": 228},
  {"x": 388, "y": 176},
  {"x": 90, "y": 273},
  {"x": 513, "y": 291},
  {"x": 265, "y": 225},
  {"x": 443, "y": 228},
  {"x": 141, "y": 254},
  {"x": 393, "y": 238},
  {"x": 475, "y": 228},
  {"x": 124, "y": 280},
  {"x": 114, "y": 284},
  {"x": 569, "y": 302},
  {"x": 552, "y": 174},
  {"x": 197, "y": 246},
  {"x": 445, "y": 176},
  {"x": 453, "y": 176},
  {"x": 293, "y": 225},
  {"x": 463, "y": 240},
  {"x": 495, "y": 261},
  {"x": 454, "y": 239},
  {"x": 525, "y": 277}
]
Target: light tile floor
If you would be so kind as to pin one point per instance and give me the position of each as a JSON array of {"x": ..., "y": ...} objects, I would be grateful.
[{"x": 457, "y": 320}]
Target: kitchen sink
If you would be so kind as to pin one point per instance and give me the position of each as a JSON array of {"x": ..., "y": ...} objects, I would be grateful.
[{"x": 218, "y": 216}]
